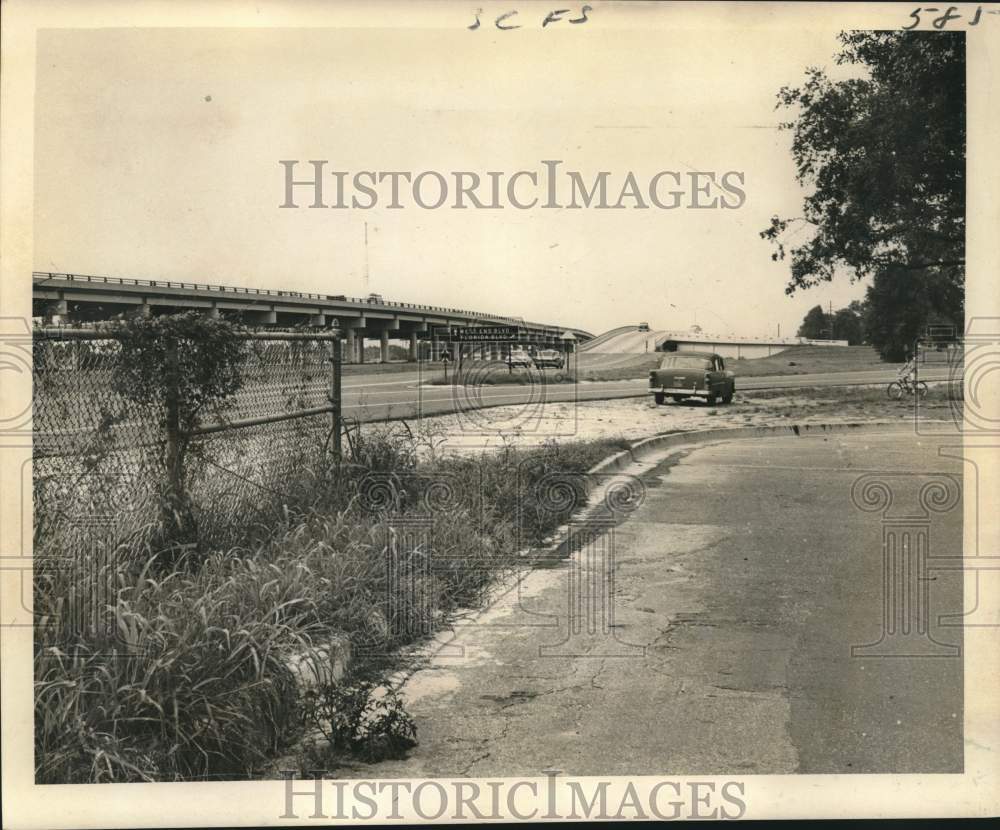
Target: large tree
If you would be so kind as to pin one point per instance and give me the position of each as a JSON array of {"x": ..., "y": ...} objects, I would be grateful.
[
  {"x": 815, "y": 325},
  {"x": 882, "y": 156},
  {"x": 849, "y": 324}
]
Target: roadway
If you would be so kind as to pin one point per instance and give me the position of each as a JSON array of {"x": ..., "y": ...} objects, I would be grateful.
[
  {"x": 377, "y": 397},
  {"x": 741, "y": 583}
]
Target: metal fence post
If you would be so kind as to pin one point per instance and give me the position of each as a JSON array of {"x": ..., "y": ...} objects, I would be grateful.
[{"x": 335, "y": 394}]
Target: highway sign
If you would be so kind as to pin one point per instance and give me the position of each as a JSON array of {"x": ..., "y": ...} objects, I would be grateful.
[{"x": 484, "y": 334}]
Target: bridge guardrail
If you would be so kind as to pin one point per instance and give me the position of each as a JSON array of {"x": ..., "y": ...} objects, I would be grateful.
[
  {"x": 606, "y": 336},
  {"x": 43, "y": 276}
]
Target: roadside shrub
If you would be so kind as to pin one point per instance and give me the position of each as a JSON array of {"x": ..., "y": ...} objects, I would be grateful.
[
  {"x": 510, "y": 484},
  {"x": 181, "y": 679},
  {"x": 360, "y": 719},
  {"x": 178, "y": 366}
]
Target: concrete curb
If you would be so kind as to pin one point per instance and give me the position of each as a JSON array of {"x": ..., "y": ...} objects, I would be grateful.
[
  {"x": 648, "y": 446},
  {"x": 320, "y": 664}
]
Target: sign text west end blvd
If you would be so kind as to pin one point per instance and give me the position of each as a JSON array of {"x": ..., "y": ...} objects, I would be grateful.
[
  {"x": 476, "y": 334},
  {"x": 484, "y": 334}
]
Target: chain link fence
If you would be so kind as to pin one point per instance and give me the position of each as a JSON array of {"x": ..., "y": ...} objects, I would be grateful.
[{"x": 101, "y": 457}]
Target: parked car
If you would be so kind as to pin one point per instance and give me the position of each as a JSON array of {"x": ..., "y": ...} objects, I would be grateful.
[
  {"x": 692, "y": 375},
  {"x": 374, "y": 298},
  {"x": 519, "y": 357},
  {"x": 549, "y": 357}
]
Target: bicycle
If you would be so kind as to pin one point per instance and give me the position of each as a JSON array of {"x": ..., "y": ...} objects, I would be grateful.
[{"x": 906, "y": 384}]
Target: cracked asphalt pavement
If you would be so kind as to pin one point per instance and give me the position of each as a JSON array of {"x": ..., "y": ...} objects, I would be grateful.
[{"x": 711, "y": 631}]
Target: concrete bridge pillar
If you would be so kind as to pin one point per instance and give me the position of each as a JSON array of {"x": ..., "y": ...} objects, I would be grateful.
[
  {"x": 352, "y": 329},
  {"x": 56, "y": 311},
  {"x": 144, "y": 311},
  {"x": 263, "y": 318},
  {"x": 384, "y": 346},
  {"x": 412, "y": 356},
  {"x": 361, "y": 348}
]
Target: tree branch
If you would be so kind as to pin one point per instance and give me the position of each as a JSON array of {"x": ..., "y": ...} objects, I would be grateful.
[{"x": 920, "y": 266}]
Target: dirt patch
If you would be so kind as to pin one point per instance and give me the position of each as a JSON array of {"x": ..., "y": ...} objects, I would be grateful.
[{"x": 634, "y": 418}]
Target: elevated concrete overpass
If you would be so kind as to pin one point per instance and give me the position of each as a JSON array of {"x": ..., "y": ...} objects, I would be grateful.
[
  {"x": 86, "y": 297},
  {"x": 633, "y": 340}
]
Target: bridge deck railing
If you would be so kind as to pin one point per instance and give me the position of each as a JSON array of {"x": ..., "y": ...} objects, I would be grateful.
[{"x": 43, "y": 276}]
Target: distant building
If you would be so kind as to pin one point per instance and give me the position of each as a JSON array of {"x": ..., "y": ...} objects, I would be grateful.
[{"x": 734, "y": 346}]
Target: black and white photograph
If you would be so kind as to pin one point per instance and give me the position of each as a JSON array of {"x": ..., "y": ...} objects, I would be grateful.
[{"x": 444, "y": 412}]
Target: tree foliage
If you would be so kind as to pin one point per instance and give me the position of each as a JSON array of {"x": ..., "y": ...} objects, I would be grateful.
[
  {"x": 179, "y": 366},
  {"x": 901, "y": 307},
  {"x": 882, "y": 156},
  {"x": 187, "y": 356},
  {"x": 814, "y": 324},
  {"x": 848, "y": 323}
]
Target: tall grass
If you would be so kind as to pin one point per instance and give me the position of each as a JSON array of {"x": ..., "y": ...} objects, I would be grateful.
[{"x": 152, "y": 673}]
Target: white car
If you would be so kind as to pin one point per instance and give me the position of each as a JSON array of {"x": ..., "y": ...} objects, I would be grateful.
[
  {"x": 519, "y": 357},
  {"x": 548, "y": 358}
]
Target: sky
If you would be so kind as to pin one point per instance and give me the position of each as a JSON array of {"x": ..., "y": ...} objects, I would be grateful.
[{"x": 157, "y": 156}]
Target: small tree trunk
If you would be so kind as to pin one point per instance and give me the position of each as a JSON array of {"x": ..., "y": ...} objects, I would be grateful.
[
  {"x": 336, "y": 357},
  {"x": 175, "y": 517}
]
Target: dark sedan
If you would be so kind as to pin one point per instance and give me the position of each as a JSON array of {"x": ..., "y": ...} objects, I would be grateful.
[{"x": 692, "y": 375}]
